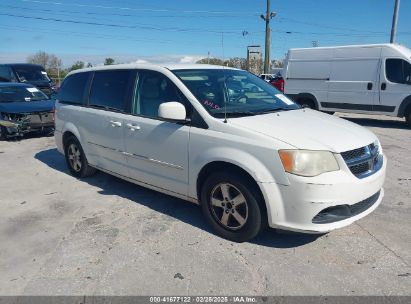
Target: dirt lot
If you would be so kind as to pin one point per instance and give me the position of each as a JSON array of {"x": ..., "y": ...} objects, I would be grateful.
[{"x": 104, "y": 236}]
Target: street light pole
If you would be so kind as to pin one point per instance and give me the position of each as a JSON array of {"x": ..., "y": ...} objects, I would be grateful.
[{"x": 395, "y": 21}]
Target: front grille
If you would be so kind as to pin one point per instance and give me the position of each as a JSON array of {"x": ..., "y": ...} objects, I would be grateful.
[
  {"x": 353, "y": 153},
  {"x": 359, "y": 169},
  {"x": 363, "y": 161},
  {"x": 342, "y": 212}
]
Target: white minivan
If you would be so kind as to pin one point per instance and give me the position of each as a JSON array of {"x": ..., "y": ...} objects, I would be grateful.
[
  {"x": 251, "y": 158},
  {"x": 374, "y": 79}
]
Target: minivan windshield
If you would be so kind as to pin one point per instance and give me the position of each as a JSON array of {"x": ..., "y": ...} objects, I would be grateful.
[
  {"x": 20, "y": 94},
  {"x": 27, "y": 73},
  {"x": 234, "y": 92}
]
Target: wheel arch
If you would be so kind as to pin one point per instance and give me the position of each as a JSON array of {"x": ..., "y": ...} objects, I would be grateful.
[
  {"x": 216, "y": 166},
  {"x": 309, "y": 96},
  {"x": 70, "y": 130},
  {"x": 405, "y": 107}
]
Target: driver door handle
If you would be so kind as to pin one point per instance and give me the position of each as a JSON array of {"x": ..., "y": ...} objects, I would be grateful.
[{"x": 133, "y": 127}]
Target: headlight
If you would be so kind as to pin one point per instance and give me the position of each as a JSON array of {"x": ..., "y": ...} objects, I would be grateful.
[
  {"x": 308, "y": 163},
  {"x": 377, "y": 146}
]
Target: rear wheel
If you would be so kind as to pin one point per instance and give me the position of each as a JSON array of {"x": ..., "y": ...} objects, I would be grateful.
[
  {"x": 232, "y": 206},
  {"x": 307, "y": 103},
  {"x": 76, "y": 159}
]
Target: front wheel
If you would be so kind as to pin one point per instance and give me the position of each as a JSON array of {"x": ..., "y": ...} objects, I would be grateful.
[
  {"x": 76, "y": 159},
  {"x": 232, "y": 207}
]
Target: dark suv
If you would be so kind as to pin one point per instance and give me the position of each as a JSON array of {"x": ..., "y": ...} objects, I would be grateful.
[{"x": 27, "y": 73}]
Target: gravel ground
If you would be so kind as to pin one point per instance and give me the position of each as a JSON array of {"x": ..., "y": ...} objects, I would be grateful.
[{"x": 103, "y": 236}]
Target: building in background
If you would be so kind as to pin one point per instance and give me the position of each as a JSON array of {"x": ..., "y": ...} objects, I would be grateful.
[{"x": 254, "y": 59}]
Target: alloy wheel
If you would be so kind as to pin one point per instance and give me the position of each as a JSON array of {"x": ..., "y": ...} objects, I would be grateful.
[
  {"x": 74, "y": 156},
  {"x": 229, "y": 206}
]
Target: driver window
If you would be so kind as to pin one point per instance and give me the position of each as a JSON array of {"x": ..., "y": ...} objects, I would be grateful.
[{"x": 153, "y": 89}]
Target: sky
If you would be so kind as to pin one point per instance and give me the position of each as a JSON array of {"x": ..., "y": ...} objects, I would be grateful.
[{"x": 185, "y": 31}]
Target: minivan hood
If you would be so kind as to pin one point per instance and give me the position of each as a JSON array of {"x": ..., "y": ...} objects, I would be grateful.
[{"x": 308, "y": 129}]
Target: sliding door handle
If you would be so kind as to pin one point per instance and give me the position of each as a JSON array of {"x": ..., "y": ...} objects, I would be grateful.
[
  {"x": 133, "y": 127},
  {"x": 115, "y": 124},
  {"x": 369, "y": 86}
]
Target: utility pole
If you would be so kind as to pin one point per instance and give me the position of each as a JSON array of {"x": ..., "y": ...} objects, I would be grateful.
[
  {"x": 267, "y": 18},
  {"x": 395, "y": 21}
]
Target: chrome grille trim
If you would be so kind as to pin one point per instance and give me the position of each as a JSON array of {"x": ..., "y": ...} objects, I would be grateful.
[{"x": 363, "y": 161}]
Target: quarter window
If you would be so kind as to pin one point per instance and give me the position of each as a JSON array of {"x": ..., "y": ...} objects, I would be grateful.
[
  {"x": 73, "y": 89},
  {"x": 398, "y": 71},
  {"x": 110, "y": 89}
]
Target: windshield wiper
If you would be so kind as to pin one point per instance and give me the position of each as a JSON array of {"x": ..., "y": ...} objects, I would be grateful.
[
  {"x": 277, "y": 110},
  {"x": 234, "y": 114}
]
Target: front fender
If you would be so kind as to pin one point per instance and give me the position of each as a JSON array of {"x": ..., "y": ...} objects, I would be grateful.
[{"x": 242, "y": 159}]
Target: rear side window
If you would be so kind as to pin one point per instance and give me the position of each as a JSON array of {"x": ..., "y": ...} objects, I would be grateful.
[
  {"x": 74, "y": 89},
  {"x": 398, "y": 71},
  {"x": 110, "y": 89}
]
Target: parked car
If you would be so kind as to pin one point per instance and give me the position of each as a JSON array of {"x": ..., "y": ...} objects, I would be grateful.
[
  {"x": 32, "y": 74},
  {"x": 372, "y": 79},
  {"x": 267, "y": 77},
  {"x": 23, "y": 109},
  {"x": 278, "y": 82},
  {"x": 249, "y": 160}
]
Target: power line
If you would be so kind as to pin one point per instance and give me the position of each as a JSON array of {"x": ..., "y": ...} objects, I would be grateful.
[
  {"x": 121, "y": 15},
  {"x": 114, "y": 25},
  {"x": 140, "y": 9},
  {"x": 104, "y": 36}
]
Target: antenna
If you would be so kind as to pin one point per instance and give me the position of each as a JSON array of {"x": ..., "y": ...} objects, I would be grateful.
[{"x": 225, "y": 86}]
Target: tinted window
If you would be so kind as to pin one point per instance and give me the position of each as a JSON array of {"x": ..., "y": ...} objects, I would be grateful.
[
  {"x": 154, "y": 89},
  {"x": 30, "y": 73},
  {"x": 110, "y": 89},
  {"x": 73, "y": 88},
  {"x": 6, "y": 74},
  {"x": 398, "y": 71},
  {"x": 20, "y": 94}
]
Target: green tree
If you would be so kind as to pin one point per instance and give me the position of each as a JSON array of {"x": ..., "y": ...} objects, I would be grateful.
[
  {"x": 51, "y": 63},
  {"x": 77, "y": 65},
  {"x": 237, "y": 62},
  {"x": 109, "y": 61},
  {"x": 89, "y": 65},
  {"x": 214, "y": 61}
]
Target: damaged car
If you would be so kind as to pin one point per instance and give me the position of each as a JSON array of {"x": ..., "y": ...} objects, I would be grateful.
[{"x": 23, "y": 109}]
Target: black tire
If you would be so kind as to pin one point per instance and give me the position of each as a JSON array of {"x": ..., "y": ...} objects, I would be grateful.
[
  {"x": 76, "y": 159},
  {"x": 307, "y": 103},
  {"x": 3, "y": 133},
  {"x": 408, "y": 119},
  {"x": 251, "y": 212}
]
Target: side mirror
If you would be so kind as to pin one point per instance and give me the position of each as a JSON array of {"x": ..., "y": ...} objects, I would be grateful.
[{"x": 172, "y": 111}]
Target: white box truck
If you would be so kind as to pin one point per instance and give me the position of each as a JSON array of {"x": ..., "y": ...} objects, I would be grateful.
[{"x": 373, "y": 79}]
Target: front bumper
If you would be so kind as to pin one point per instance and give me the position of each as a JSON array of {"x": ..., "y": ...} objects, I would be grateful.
[
  {"x": 28, "y": 123},
  {"x": 298, "y": 206}
]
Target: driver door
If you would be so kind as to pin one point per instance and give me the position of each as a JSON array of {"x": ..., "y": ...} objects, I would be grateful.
[
  {"x": 156, "y": 150},
  {"x": 395, "y": 83}
]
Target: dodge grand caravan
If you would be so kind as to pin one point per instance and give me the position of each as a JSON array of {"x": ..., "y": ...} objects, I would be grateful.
[{"x": 250, "y": 158}]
